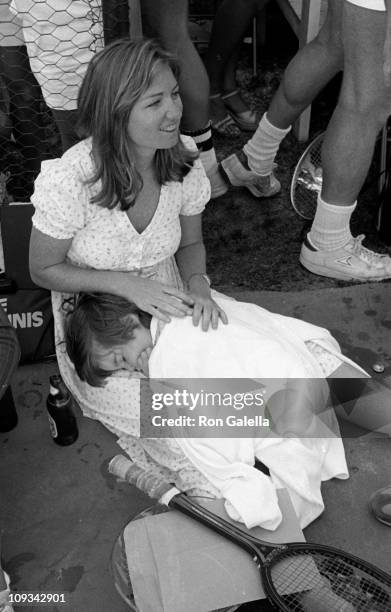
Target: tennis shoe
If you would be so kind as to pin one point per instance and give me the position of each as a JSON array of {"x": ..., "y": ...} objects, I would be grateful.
[
  {"x": 239, "y": 176},
  {"x": 380, "y": 504},
  {"x": 350, "y": 262}
]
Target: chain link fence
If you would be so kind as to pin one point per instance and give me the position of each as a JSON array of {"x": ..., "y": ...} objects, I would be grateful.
[{"x": 45, "y": 47}]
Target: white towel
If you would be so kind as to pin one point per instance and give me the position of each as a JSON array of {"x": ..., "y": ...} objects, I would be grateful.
[{"x": 255, "y": 344}]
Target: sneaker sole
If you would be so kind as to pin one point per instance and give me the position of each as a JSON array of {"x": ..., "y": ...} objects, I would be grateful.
[
  {"x": 384, "y": 521},
  {"x": 231, "y": 179},
  {"x": 244, "y": 126},
  {"x": 320, "y": 270},
  {"x": 255, "y": 192}
]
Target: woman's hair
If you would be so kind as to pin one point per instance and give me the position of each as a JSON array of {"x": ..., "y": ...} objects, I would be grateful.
[
  {"x": 103, "y": 318},
  {"x": 115, "y": 79}
]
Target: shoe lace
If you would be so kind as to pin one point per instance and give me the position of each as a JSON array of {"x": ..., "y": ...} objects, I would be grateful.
[{"x": 370, "y": 257}]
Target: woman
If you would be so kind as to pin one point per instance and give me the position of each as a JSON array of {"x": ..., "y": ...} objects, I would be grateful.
[{"x": 120, "y": 212}]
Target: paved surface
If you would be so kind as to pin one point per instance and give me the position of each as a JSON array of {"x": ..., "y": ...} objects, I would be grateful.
[{"x": 60, "y": 512}]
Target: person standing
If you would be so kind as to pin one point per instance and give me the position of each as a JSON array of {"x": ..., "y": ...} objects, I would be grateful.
[
  {"x": 229, "y": 112},
  {"x": 356, "y": 37},
  {"x": 121, "y": 212},
  {"x": 60, "y": 43},
  {"x": 168, "y": 21}
]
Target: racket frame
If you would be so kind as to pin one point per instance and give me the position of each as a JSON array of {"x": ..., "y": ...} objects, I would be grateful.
[
  {"x": 297, "y": 171},
  {"x": 265, "y": 554}
]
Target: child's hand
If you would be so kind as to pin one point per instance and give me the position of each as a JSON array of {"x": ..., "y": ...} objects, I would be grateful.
[{"x": 142, "y": 361}]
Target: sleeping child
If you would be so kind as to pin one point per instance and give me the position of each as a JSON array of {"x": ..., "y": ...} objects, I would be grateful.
[{"x": 108, "y": 336}]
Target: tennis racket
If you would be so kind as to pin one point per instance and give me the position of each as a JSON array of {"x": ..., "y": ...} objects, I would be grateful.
[
  {"x": 307, "y": 180},
  {"x": 296, "y": 577}
]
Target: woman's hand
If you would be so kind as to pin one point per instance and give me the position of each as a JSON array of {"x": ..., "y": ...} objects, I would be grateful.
[
  {"x": 191, "y": 258},
  {"x": 158, "y": 299},
  {"x": 205, "y": 309}
]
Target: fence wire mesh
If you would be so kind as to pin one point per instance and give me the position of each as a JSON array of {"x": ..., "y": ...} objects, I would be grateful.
[{"x": 45, "y": 47}]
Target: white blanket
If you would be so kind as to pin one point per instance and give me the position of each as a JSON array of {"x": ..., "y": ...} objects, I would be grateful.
[{"x": 256, "y": 344}]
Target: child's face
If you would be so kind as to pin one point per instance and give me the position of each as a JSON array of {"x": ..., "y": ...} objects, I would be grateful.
[{"x": 123, "y": 356}]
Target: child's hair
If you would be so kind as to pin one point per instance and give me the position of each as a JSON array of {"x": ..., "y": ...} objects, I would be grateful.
[
  {"x": 106, "y": 319},
  {"x": 115, "y": 79}
]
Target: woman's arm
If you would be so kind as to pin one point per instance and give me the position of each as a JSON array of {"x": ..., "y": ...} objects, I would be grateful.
[
  {"x": 49, "y": 269},
  {"x": 191, "y": 260}
]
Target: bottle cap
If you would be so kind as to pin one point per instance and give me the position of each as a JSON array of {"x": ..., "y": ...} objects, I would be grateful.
[{"x": 118, "y": 466}]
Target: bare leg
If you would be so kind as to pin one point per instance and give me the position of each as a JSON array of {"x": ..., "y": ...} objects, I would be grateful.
[
  {"x": 363, "y": 107},
  {"x": 167, "y": 19},
  {"x": 309, "y": 71},
  {"x": 233, "y": 16},
  {"x": 292, "y": 404},
  {"x": 229, "y": 76},
  {"x": 361, "y": 401}
]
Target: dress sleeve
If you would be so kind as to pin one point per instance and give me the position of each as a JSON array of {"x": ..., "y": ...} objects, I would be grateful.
[
  {"x": 60, "y": 199},
  {"x": 195, "y": 186}
]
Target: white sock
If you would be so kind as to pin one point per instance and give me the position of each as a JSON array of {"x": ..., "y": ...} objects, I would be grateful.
[
  {"x": 331, "y": 227},
  {"x": 204, "y": 142},
  {"x": 262, "y": 148}
]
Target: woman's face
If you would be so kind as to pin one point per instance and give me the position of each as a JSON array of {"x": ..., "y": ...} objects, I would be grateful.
[{"x": 154, "y": 119}]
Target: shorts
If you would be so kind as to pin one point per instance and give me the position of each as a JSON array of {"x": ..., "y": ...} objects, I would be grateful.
[{"x": 374, "y": 5}]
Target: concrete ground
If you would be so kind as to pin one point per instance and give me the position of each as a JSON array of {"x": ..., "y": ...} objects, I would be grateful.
[{"x": 60, "y": 511}]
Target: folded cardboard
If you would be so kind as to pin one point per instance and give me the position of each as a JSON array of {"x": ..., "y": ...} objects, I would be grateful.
[{"x": 176, "y": 564}]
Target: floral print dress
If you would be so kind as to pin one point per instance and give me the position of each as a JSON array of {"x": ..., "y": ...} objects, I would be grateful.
[{"x": 104, "y": 239}]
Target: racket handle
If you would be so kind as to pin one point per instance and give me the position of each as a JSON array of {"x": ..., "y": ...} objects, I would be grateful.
[{"x": 150, "y": 484}]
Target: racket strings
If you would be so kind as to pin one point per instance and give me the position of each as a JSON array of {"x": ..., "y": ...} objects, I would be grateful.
[
  {"x": 321, "y": 582},
  {"x": 307, "y": 182}
]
